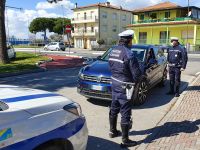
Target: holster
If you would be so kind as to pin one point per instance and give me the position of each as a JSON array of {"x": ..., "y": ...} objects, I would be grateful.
[{"x": 129, "y": 90}]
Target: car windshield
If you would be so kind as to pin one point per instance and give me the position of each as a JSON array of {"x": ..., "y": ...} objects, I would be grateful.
[{"x": 139, "y": 53}]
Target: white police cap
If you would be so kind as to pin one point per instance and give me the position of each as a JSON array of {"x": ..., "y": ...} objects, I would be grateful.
[
  {"x": 174, "y": 39},
  {"x": 127, "y": 33}
]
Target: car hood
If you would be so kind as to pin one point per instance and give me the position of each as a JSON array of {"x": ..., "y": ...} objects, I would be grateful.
[
  {"x": 31, "y": 101},
  {"x": 98, "y": 68},
  {"x": 101, "y": 68}
]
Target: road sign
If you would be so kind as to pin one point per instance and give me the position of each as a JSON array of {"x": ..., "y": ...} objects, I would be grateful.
[{"x": 68, "y": 29}]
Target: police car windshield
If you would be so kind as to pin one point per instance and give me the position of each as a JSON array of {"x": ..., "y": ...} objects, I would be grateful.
[{"x": 139, "y": 53}]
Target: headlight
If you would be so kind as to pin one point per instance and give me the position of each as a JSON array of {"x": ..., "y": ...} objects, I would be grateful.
[
  {"x": 81, "y": 75},
  {"x": 73, "y": 108}
]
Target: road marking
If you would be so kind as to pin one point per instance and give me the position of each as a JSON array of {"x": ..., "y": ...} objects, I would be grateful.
[
  {"x": 98, "y": 53},
  {"x": 198, "y": 73}
]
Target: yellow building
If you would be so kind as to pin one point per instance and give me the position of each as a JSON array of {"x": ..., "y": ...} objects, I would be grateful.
[
  {"x": 156, "y": 24},
  {"x": 99, "y": 21}
]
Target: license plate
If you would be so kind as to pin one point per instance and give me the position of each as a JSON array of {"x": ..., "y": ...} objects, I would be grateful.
[{"x": 96, "y": 87}]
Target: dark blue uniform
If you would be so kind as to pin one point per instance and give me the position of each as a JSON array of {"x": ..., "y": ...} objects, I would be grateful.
[
  {"x": 177, "y": 59},
  {"x": 125, "y": 69}
]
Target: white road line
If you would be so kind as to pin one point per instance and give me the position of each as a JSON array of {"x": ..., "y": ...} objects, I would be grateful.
[
  {"x": 98, "y": 53},
  {"x": 198, "y": 73}
]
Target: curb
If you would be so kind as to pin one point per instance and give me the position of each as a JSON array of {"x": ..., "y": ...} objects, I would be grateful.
[
  {"x": 4, "y": 75},
  {"x": 174, "y": 106},
  {"x": 74, "y": 56}
]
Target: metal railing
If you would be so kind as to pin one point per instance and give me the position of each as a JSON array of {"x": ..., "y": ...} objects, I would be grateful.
[
  {"x": 163, "y": 20},
  {"x": 85, "y": 18}
]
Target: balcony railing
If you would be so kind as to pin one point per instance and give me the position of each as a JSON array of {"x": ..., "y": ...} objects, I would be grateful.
[
  {"x": 84, "y": 33},
  {"x": 163, "y": 20},
  {"x": 87, "y": 18}
]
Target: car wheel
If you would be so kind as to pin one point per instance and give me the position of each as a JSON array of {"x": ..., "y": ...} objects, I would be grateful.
[
  {"x": 45, "y": 49},
  {"x": 57, "y": 49},
  {"x": 164, "y": 78},
  {"x": 140, "y": 93},
  {"x": 55, "y": 146}
]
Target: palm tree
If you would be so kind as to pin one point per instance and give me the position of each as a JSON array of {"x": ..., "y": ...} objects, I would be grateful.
[{"x": 3, "y": 52}]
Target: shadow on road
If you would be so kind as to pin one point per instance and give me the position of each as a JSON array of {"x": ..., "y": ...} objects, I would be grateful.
[
  {"x": 169, "y": 129},
  {"x": 96, "y": 143},
  {"x": 49, "y": 80},
  {"x": 155, "y": 98}
]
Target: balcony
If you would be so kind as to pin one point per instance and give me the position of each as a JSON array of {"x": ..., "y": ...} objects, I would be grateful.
[
  {"x": 163, "y": 20},
  {"x": 86, "y": 19},
  {"x": 84, "y": 33}
]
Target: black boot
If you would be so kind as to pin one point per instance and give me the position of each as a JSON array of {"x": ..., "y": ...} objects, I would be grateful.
[
  {"x": 126, "y": 142},
  {"x": 177, "y": 91},
  {"x": 113, "y": 127},
  {"x": 171, "y": 91}
]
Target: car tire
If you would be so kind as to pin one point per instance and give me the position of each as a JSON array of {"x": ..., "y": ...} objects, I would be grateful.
[
  {"x": 54, "y": 146},
  {"x": 140, "y": 93},
  {"x": 57, "y": 49},
  {"x": 164, "y": 78},
  {"x": 46, "y": 49}
]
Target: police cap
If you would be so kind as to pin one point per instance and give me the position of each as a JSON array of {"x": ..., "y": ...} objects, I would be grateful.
[
  {"x": 126, "y": 34},
  {"x": 174, "y": 39}
]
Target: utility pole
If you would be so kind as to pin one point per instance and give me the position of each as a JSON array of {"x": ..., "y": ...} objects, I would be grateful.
[
  {"x": 187, "y": 44},
  {"x": 63, "y": 24}
]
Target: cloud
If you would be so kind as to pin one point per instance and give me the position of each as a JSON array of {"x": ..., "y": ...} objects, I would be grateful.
[
  {"x": 45, "y": 5},
  {"x": 17, "y": 22},
  {"x": 134, "y": 4}
]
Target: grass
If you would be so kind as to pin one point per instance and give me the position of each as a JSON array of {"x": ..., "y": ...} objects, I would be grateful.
[{"x": 23, "y": 62}]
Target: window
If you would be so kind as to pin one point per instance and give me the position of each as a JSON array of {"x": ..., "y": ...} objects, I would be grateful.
[
  {"x": 114, "y": 28},
  {"x": 92, "y": 14},
  {"x": 85, "y": 27},
  {"x": 167, "y": 14},
  {"x": 142, "y": 17},
  {"x": 104, "y": 28},
  {"x": 104, "y": 14},
  {"x": 163, "y": 37},
  {"x": 188, "y": 34},
  {"x": 114, "y": 16},
  {"x": 153, "y": 16},
  {"x": 142, "y": 37},
  {"x": 124, "y": 18},
  {"x": 85, "y": 15},
  {"x": 78, "y": 15},
  {"x": 92, "y": 29}
]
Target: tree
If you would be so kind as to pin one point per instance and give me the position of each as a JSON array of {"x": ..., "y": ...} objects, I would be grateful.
[
  {"x": 41, "y": 25},
  {"x": 3, "y": 50},
  {"x": 60, "y": 24},
  {"x": 56, "y": 37}
]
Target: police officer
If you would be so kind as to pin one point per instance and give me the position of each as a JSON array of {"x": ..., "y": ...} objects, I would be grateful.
[
  {"x": 125, "y": 72},
  {"x": 177, "y": 60}
]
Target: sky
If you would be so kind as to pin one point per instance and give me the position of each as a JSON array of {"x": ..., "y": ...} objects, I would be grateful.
[{"x": 18, "y": 20}]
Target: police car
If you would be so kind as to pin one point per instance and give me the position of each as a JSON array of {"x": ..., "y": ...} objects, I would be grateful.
[{"x": 40, "y": 120}]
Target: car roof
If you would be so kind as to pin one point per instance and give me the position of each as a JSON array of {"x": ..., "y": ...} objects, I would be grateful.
[{"x": 144, "y": 46}]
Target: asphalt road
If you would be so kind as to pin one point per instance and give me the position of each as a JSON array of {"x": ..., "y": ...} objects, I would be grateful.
[{"x": 145, "y": 117}]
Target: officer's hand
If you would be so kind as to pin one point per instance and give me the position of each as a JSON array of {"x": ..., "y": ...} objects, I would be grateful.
[{"x": 182, "y": 69}]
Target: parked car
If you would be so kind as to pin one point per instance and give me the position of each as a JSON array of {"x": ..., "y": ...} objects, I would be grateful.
[
  {"x": 11, "y": 51},
  {"x": 55, "y": 46},
  {"x": 40, "y": 120},
  {"x": 94, "y": 79}
]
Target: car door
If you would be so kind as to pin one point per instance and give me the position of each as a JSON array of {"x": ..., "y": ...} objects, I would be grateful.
[{"x": 152, "y": 68}]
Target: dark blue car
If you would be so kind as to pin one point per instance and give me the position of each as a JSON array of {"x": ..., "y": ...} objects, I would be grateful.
[{"x": 94, "y": 79}]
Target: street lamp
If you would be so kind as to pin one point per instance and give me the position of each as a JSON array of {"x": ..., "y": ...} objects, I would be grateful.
[{"x": 53, "y": 1}]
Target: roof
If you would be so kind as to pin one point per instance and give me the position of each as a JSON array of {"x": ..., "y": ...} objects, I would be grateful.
[
  {"x": 107, "y": 5},
  {"x": 160, "y": 6}
]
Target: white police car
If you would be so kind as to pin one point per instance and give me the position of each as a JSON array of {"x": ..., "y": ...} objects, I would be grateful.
[{"x": 40, "y": 120}]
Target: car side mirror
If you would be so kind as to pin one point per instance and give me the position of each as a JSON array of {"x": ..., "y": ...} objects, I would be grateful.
[{"x": 98, "y": 57}]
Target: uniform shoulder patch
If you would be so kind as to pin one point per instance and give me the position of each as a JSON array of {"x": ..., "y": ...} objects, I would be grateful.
[{"x": 5, "y": 134}]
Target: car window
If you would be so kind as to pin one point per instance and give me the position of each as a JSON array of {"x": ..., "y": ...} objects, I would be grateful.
[
  {"x": 61, "y": 43},
  {"x": 139, "y": 53}
]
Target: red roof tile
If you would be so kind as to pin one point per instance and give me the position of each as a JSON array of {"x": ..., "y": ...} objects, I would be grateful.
[{"x": 160, "y": 6}]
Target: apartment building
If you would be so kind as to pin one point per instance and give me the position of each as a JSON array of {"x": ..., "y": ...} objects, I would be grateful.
[
  {"x": 101, "y": 21},
  {"x": 156, "y": 24}
]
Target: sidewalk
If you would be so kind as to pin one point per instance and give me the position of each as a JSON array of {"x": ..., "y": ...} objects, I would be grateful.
[
  {"x": 179, "y": 129},
  {"x": 61, "y": 62}
]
